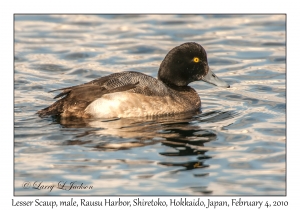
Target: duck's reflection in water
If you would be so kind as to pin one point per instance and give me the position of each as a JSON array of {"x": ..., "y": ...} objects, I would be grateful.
[{"x": 183, "y": 133}]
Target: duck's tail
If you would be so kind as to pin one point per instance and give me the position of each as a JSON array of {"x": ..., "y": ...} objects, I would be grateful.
[{"x": 55, "y": 109}]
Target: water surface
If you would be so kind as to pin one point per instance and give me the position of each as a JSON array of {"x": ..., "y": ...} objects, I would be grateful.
[{"x": 235, "y": 146}]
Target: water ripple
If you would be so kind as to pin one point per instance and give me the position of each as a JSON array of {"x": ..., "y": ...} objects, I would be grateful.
[{"x": 235, "y": 145}]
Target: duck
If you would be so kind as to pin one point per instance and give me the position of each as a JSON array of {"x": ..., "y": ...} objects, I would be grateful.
[{"x": 134, "y": 94}]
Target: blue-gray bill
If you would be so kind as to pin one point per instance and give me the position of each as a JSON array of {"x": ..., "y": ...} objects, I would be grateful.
[{"x": 213, "y": 79}]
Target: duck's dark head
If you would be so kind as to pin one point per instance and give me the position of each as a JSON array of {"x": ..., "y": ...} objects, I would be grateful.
[{"x": 185, "y": 64}]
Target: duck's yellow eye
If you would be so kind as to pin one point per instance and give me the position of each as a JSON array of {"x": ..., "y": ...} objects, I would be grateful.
[{"x": 196, "y": 59}]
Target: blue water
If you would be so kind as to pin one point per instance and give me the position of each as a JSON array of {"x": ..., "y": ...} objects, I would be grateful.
[{"x": 236, "y": 146}]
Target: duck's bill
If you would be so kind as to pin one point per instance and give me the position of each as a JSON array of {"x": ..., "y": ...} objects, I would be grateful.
[{"x": 211, "y": 78}]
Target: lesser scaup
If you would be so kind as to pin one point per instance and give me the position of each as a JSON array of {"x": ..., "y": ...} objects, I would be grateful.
[{"x": 134, "y": 94}]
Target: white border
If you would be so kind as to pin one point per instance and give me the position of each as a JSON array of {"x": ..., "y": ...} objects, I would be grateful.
[{"x": 8, "y": 8}]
